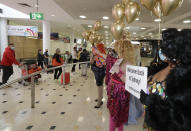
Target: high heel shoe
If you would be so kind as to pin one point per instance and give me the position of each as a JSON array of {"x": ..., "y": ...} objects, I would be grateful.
[{"x": 99, "y": 105}]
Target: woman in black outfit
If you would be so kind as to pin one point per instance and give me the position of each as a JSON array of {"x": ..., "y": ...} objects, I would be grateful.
[
  {"x": 57, "y": 61},
  {"x": 40, "y": 58},
  {"x": 172, "y": 112}
]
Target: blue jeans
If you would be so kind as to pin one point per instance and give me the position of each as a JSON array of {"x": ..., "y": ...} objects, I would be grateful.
[{"x": 135, "y": 110}]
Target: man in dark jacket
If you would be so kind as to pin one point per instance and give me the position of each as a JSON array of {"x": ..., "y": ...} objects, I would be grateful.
[
  {"x": 40, "y": 58},
  {"x": 7, "y": 61},
  {"x": 46, "y": 55},
  {"x": 84, "y": 58}
]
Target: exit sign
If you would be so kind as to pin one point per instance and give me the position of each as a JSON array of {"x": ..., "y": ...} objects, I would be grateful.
[{"x": 36, "y": 16}]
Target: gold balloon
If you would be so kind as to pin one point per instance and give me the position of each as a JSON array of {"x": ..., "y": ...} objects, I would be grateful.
[
  {"x": 99, "y": 38},
  {"x": 92, "y": 31},
  {"x": 125, "y": 2},
  {"x": 169, "y": 6},
  {"x": 157, "y": 10},
  {"x": 117, "y": 29},
  {"x": 93, "y": 38},
  {"x": 97, "y": 25},
  {"x": 132, "y": 11},
  {"x": 149, "y": 4},
  {"x": 118, "y": 12},
  {"x": 86, "y": 35}
]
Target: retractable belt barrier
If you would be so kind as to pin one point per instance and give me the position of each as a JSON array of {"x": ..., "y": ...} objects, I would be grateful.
[{"x": 36, "y": 73}]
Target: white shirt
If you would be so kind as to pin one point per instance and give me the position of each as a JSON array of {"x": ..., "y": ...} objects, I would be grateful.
[{"x": 74, "y": 54}]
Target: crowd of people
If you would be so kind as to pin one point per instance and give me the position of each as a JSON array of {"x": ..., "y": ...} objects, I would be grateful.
[
  {"x": 43, "y": 61},
  {"x": 167, "y": 101}
]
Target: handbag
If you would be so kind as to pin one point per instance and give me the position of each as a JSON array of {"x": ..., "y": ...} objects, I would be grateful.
[{"x": 55, "y": 63}]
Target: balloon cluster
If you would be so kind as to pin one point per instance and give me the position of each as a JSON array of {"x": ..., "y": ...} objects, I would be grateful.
[
  {"x": 127, "y": 9},
  {"x": 131, "y": 10},
  {"x": 161, "y": 7},
  {"x": 91, "y": 35}
]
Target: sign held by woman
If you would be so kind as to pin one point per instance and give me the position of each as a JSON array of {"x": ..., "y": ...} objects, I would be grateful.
[{"x": 136, "y": 79}]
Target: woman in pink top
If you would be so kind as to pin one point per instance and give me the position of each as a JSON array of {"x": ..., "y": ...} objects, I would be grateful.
[{"x": 118, "y": 97}]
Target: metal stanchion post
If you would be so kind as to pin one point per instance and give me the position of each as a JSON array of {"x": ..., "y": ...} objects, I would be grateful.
[
  {"x": 32, "y": 92},
  {"x": 63, "y": 72}
]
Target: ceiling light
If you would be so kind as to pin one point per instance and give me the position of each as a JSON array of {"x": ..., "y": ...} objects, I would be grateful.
[
  {"x": 134, "y": 33},
  {"x": 143, "y": 28},
  {"x": 157, "y": 20},
  {"x": 53, "y": 15},
  {"x": 142, "y": 36},
  {"x": 179, "y": 29},
  {"x": 186, "y": 21},
  {"x": 127, "y": 28},
  {"x": 105, "y": 17},
  {"x": 90, "y": 26},
  {"x": 163, "y": 29},
  {"x": 145, "y": 38},
  {"x": 137, "y": 19},
  {"x": 82, "y": 16},
  {"x": 106, "y": 26}
]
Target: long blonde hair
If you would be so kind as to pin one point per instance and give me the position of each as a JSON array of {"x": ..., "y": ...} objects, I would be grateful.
[{"x": 125, "y": 50}]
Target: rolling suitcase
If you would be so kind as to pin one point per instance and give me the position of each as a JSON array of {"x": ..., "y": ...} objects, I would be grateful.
[
  {"x": 67, "y": 78},
  {"x": 84, "y": 69}
]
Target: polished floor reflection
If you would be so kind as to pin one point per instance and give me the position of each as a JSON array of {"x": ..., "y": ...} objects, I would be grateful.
[{"x": 57, "y": 108}]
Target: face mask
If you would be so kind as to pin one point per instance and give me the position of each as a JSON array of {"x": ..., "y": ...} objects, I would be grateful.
[
  {"x": 12, "y": 48},
  {"x": 162, "y": 57}
]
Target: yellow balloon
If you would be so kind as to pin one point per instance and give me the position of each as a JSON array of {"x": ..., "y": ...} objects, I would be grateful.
[
  {"x": 132, "y": 11},
  {"x": 83, "y": 35},
  {"x": 149, "y": 4},
  {"x": 118, "y": 12},
  {"x": 125, "y": 2},
  {"x": 97, "y": 25},
  {"x": 86, "y": 35},
  {"x": 117, "y": 29},
  {"x": 169, "y": 6},
  {"x": 157, "y": 10}
]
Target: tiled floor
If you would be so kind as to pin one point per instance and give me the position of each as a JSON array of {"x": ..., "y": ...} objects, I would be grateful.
[{"x": 57, "y": 108}]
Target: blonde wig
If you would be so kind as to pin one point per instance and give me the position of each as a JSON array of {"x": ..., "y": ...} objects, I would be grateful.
[{"x": 125, "y": 50}]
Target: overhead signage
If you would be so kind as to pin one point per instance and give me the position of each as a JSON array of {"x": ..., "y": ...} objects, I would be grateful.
[
  {"x": 36, "y": 16},
  {"x": 31, "y": 31},
  {"x": 136, "y": 80}
]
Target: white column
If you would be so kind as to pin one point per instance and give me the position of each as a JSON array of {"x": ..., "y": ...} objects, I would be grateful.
[
  {"x": 3, "y": 35},
  {"x": 46, "y": 36},
  {"x": 72, "y": 44}
]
